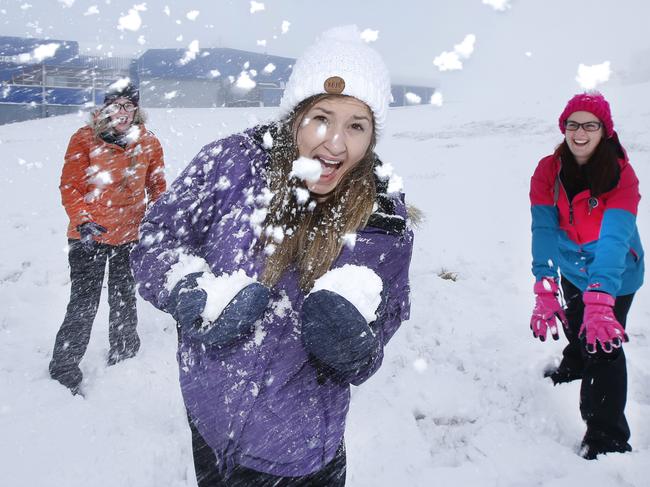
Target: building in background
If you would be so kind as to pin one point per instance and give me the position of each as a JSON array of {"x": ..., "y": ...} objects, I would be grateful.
[
  {"x": 408, "y": 94},
  {"x": 41, "y": 78},
  {"x": 213, "y": 77}
]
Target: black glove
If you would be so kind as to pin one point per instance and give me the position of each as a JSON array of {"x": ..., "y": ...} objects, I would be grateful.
[
  {"x": 335, "y": 332},
  {"x": 88, "y": 232}
]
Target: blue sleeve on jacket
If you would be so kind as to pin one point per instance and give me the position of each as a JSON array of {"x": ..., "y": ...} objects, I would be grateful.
[
  {"x": 545, "y": 230},
  {"x": 616, "y": 232}
]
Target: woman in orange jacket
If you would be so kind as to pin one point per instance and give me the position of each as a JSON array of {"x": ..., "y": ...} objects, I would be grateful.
[{"x": 113, "y": 169}]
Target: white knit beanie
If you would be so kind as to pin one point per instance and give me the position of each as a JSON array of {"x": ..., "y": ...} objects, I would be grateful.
[{"x": 340, "y": 62}]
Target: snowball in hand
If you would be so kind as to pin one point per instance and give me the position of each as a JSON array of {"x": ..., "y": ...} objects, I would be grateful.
[
  {"x": 306, "y": 169},
  {"x": 220, "y": 291},
  {"x": 358, "y": 284}
]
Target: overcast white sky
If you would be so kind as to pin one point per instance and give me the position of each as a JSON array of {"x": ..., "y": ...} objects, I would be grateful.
[{"x": 520, "y": 46}]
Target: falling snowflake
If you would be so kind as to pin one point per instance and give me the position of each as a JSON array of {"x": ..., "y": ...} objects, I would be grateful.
[
  {"x": 370, "y": 35},
  {"x": 256, "y": 6}
]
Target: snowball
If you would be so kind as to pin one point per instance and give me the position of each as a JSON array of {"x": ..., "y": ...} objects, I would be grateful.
[
  {"x": 302, "y": 195},
  {"x": 244, "y": 82},
  {"x": 369, "y": 35},
  {"x": 450, "y": 61},
  {"x": 132, "y": 135},
  {"x": 591, "y": 76},
  {"x": 192, "y": 51},
  {"x": 101, "y": 178},
  {"x": 187, "y": 264},
  {"x": 466, "y": 47},
  {"x": 220, "y": 291},
  {"x": 45, "y": 51},
  {"x": 223, "y": 183},
  {"x": 267, "y": 140},
  {"x": 358, "y": 284},
  {"x": 395, "y": 184},
  {"x": 306, "y": 169},
  {"x": 256, "y": 6},
  {"x": 384, "y": 171},
  {"x": 447, "y": 61},
  {"x": 120, "y": 84},
  {"x": 192, "y": 14},
  {"x": 420, "y": 365},
  {"x": 285, "y": 26},
  {"x": 436, "y": 99},
  {"x": 350, "y": 240},
  {"x": 132, "y": 20},
  {"x": 412, "y": 98},
  {"x": 500, "y": 5}
]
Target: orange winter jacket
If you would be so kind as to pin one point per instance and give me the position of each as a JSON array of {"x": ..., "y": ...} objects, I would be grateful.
[{"x": 109, "y": 185}]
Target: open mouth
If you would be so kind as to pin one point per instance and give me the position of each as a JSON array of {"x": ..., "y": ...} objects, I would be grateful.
[
  {"x": 328, "y": 166},
  {"x": 580, "y": 142}
]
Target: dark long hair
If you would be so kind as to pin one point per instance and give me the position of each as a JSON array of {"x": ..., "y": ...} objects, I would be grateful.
[
  {"x": 313, "y": 236},
  {"x": 601, "y": 172}
]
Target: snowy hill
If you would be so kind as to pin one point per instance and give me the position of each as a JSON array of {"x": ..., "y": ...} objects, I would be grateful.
[{"x": 460, "y": 400}]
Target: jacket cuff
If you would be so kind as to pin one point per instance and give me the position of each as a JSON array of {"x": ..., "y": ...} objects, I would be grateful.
[
  {"x": 546, "y": 285},
  {"x": 597, "y": 297}
]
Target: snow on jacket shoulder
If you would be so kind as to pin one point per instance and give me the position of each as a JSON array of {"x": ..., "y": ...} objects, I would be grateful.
[
  {"x": 110, "y": 185},
  {"x": 261, "y": 402},
  {"x": 593, "y": 242}
]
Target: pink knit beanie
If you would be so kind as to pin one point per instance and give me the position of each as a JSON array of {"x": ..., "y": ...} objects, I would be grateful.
[{"x": 592, "y": 102}]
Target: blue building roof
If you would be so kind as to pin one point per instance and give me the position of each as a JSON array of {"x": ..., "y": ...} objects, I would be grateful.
[
  {"x": 12, "y": 48},
  {"x": 166, "y": 63},
  {"x": 17, "y": 53}
]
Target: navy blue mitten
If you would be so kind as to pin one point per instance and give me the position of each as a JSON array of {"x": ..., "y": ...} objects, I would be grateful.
[
  {"x": 236, "y": 320},
  {"x": 187, "y": 301},
  {"x": 335, "y": 332}
]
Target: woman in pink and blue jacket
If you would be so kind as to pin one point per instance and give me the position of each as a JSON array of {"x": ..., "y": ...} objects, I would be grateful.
[{"x": 584, "y": 200}]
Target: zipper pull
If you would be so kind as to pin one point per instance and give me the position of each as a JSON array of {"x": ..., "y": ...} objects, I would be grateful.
[
  {"x": 570, "y": 213},
  {"x": 592, "y": 203}
]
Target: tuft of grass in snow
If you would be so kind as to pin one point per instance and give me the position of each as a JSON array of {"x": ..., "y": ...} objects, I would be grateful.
[{"x": 447, "y": 275}]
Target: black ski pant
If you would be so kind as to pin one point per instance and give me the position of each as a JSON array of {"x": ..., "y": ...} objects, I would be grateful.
[
  {"x": 603, "y": 392},
  {"x": 208, "y": 474},
  {"x": 87, "y": 275}
]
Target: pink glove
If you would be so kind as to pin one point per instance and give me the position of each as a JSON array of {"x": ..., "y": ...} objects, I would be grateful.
[
  {"x": 547, "y": 308},
  {"x": 600, "y": 324}
]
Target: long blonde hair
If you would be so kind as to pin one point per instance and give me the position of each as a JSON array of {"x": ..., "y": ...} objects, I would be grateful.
[{"x": 313, "y": 235}]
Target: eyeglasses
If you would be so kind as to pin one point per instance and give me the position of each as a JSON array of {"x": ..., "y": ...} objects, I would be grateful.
[
  {"x": 115, "y": 107},
  {"x": 587, "y": 126}
]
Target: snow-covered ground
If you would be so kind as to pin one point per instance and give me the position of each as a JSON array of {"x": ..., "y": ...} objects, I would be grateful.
[{"x": 460, "y": 399}]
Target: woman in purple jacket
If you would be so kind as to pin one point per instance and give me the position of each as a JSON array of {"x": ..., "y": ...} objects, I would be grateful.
[{"x": 288, "y": 224}]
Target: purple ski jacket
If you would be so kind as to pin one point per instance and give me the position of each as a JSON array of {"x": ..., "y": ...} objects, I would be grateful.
[{"x": 262, "y": 402}]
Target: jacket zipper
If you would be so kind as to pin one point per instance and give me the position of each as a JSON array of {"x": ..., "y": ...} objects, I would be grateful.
[{"x": 568, "y": 200}]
